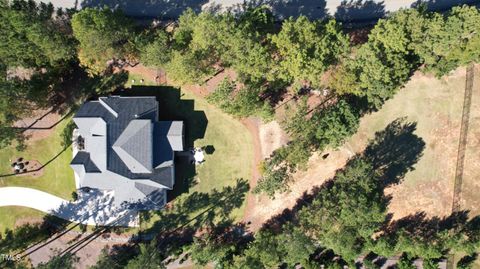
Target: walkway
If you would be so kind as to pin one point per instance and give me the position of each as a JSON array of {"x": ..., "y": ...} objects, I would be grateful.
[{"x": 91, "y": 208}]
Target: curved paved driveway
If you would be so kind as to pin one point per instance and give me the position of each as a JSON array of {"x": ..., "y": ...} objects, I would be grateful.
[
  {"x": 39, "y": 200},
  {"x": 92, "y": 208}
]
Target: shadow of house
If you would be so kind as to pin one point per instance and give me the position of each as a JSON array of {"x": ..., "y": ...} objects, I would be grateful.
[
  {"x": 172, "y": 107},
  {"x": 163, "y": 9},
  {"x": 358, "y": 11}
]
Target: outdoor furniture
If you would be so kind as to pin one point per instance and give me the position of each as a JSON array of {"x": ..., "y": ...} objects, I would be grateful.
[{"x": 198, "y": 155}]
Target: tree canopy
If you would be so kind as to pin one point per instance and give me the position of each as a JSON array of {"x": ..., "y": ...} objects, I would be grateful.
[
  {"x": 31, "y": 37},
  {"x": 103, "y": 35},
  {"x": 306, "y": 49}
]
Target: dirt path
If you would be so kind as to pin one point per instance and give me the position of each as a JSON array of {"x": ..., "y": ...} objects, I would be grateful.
[{"x": 252, "y": 126}]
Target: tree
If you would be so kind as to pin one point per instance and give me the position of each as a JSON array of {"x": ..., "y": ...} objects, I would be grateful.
[
  {"x": 430, "y": 264},
  {"x": 334, "y": 124},
  {"x": 103, "y": 35},
  {"x": 188, "y": 67},
  {"x": 66, "y": 261},
  {"x": 345, "y": 216},
  {"x": 405, "y": 263},
  {"x": 343, "y": 79},
  {"x": 306, "y": 49},
  {"x": 248, "y": 57},
  {"x": 218, "y": 245},
  {"x": 31, "y": 37},
  {"x": 149, "y": 257},
  {"x": 199, "y": 40},
  {"x": 239, "y": 101},
  {"x": 16, "y": 100},
  {"x": 296, "y": 123},
  {"x": 449, "y": 41},
  {"x": 154, "y": 48},
  {"x": 273, "y": 180}
]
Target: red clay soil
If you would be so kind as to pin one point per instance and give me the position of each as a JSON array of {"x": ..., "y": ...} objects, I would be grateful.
[
  {"x": 39, "y": 124},
  {"x": 33, "y": 169}
]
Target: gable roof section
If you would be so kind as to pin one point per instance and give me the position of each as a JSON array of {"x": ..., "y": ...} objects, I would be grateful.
[
  {"x": 173, "y": 131},
  {"x": 154, "y": 195},
  {"x": 82, "y": 159},
  {"x": 134, "y": 146},
  {"x": 126, "y": 150}
]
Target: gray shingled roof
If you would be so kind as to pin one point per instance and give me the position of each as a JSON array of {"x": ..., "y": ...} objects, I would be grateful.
[
  {"x": 127, "y": 148},
  {"x": 134, "y": 146}
]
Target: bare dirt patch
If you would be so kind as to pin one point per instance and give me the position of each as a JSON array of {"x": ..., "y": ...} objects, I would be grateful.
[
  {"x": 33, "y": 169},
  {"x": 39, "y": 124},
  {"x": 272, "y": 137},
  {"x": 320, "y": 170},
  {"x": 436, "y": 106},
  {"x": 88, "y": 253}
]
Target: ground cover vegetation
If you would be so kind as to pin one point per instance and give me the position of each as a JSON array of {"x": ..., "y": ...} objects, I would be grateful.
[
  {"x": 364, "y": 79},
  {"x": 347, "y": 217},
  {"x": 342, "y": 220}
]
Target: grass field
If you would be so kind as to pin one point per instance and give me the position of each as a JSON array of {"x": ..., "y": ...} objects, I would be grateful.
[
  {"x": 436, "y": 106},
  {"x": 470, "y": 198},
  {"x": 57, "y": 177},
  {"x": 229, "y": 142}
]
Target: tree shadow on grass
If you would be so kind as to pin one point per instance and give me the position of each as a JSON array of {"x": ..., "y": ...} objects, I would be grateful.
[
  {"x": 393, "y": 152},
  {"x": 172, "y": 107},
  {"x": 179, "y": 223},
  {"x": 198, "y": 208}
]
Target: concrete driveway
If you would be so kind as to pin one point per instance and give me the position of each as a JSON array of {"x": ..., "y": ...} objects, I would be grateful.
[
  {"x": 92, "y": 208},
  {"x": 39, "y": 200}
]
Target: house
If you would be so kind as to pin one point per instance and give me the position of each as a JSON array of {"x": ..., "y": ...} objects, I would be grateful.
[{"x": 122, "y": 147}]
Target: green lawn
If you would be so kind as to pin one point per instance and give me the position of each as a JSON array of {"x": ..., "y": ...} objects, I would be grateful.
[
  {"x": 229, "y": 140},
  {"x": 205, "y": 125},
  {"x": 435, "y": 105},
  {"x": 57, "y": 178}
]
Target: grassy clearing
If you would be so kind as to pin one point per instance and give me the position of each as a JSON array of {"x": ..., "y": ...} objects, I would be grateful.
[
  {"x": 57, "y": 177},
  {"x": 436, "y": 106},
  {"x": 230, "y": 142},
  {"x": 470, "y": 200}
]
